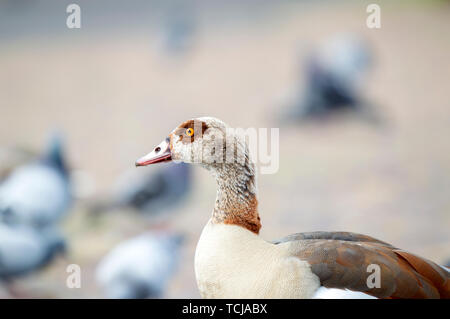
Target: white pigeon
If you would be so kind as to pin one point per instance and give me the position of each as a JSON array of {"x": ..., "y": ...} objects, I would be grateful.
[
  {"x": 37, "y": 194},
  {"x": 140, "y": 267},
  {"x": 24, "y": 249}
]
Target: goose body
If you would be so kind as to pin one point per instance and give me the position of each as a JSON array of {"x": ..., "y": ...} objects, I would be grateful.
[{"x": 233, "y": 261}]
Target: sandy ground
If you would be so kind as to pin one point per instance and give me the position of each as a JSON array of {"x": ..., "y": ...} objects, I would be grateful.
[{"x": 116, "y": 96}]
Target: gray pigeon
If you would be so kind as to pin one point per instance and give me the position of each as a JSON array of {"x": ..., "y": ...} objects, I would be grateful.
[
  {"x": 149, "y": 193},
  {"x": 13, "y": 157},
  {"x": 24, "y": 249},
  {"x": 37, "y": 194},
  {"x": 140, "y": 267},
  {"x": 178, "y": 30},
  {"x": 334, "y": 74}
]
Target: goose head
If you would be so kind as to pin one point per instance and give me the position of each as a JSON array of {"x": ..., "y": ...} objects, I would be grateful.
[
  {"x": 206, "y": 141},
  {"x": 209, "y": 142}
]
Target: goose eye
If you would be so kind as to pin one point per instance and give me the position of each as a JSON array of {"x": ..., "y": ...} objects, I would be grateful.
[{"x": 190, "y": 132}]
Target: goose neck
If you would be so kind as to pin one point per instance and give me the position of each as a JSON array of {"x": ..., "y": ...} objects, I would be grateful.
[{"x": 236, "y": 200}]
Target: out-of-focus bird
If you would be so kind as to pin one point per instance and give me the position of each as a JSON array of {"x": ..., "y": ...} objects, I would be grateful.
[
  {"x": 150, "y": 193},
  {"x": 38, "y": 193},
  {"x": 13, "y": 157},
  {"x": 335, "y": 74},
  {"x": 178, "y": 30},
  {"x": 24, "y": 249},
  {"x": 140, "y": 267}
]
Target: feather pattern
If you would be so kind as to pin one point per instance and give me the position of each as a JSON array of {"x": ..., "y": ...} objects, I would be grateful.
[{"x": 341, "y": 260}]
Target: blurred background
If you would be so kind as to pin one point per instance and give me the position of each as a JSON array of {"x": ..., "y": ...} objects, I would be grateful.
[{"x": 364, "y": 118}]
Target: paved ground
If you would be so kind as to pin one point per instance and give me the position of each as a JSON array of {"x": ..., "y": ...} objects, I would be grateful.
[{"x": 116, "y": 95}]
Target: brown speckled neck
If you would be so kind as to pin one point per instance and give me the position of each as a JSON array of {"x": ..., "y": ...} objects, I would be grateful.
[{"x": 236, "y": 201}]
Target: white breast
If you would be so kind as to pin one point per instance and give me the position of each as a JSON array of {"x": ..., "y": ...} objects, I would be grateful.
[
  {"x": 232, "y": 262},
  {"x": 334, "y": 293}
]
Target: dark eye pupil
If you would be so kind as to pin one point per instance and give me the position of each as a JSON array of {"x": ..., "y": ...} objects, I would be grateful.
[{"x": 157, "y": 149}]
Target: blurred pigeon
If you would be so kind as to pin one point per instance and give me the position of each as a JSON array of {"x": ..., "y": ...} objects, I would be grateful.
[
  {"x": 13, "y": 157},
  {"x": 178, "y": 30},
  {"x": 24, "y": 249},
  {"x": 150, "y": 193},
  {"x": 335, "y": 75},
  {"x": 140, "y": 267},
  {"x": 38, "y": 193}
]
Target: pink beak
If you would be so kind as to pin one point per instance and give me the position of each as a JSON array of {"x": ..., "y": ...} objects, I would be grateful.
[{"x": 161, "y": 153}]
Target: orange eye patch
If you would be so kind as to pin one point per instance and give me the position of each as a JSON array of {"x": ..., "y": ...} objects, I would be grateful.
[{"x": 190, "y": 132}]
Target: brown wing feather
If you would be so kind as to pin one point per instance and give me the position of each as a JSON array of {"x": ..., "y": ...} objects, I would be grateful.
[
  {"x": 340, "y": 260},
  {"x": 437, "y": 275},
  {"x": 346, "y": 236}
]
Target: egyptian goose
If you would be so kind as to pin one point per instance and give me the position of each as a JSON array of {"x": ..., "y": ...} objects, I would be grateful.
[
  {"x": 140, "y": 267},
  {"x": 232, "y": 261}
]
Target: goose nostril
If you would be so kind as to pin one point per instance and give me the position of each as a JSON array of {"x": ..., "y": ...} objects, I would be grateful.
[{"x": 157, "y": 149}]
